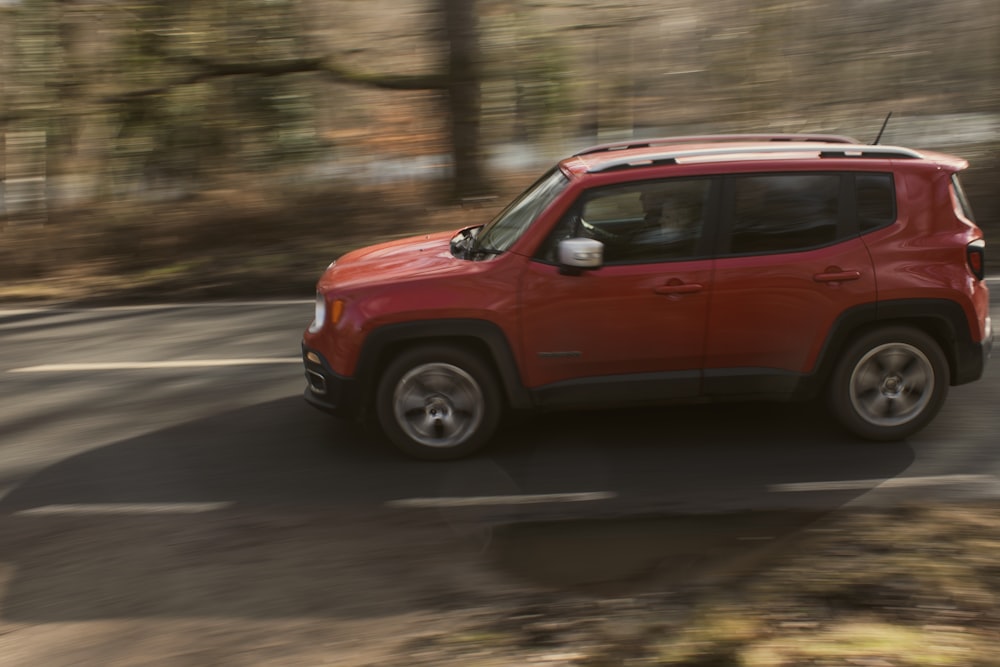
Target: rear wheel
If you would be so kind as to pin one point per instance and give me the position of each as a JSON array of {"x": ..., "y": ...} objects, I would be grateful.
[
  {"x": 889, "y": 383},
  {"x": 437, "y": 402}
]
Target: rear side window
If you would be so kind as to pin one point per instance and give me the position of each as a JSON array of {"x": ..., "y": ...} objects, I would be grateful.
[
  {"x": 784, "y": 212},
  {"x": 876, "y": 200}
]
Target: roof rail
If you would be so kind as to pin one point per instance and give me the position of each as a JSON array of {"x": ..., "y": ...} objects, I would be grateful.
[
  {"x": 715, "y": 138},
  {"x": 671, "y": 157}
]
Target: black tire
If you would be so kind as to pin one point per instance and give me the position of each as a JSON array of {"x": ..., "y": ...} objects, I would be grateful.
[
  {"x": 436, "y": 402},
  {"x": 889, "y": 383}
]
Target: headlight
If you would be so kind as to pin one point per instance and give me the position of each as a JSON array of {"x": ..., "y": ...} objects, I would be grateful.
[{"x": 320, "y": 316}]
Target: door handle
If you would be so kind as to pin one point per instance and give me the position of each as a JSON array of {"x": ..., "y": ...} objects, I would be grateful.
[
  {"x": 836, "y": 276},
  {"x": 677, "y": 287}
]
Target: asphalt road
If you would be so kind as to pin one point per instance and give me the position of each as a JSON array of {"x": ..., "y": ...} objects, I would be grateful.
[
  {"x": 161, "y": 475},
  {"x": 202, "y": 404}
]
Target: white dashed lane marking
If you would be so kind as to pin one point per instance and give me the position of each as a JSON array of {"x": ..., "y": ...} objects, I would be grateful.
[
  {"x": 126, "y": 508},
  {"x": 481, "y": 501},
  {"x": 152, "y": 365},
  {"x": 892, "y": 483}
]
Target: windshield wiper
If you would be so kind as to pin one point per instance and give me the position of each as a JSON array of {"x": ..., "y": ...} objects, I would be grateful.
[{"x": 477, "y": 250}]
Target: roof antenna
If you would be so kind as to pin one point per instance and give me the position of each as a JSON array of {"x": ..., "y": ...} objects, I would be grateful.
[{"x": 884, "y": 123}]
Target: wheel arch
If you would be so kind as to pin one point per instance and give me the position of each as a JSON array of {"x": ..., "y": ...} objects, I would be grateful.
[
  {"x": 482, "y": 337},
  {"x": 941, "y": 319}
]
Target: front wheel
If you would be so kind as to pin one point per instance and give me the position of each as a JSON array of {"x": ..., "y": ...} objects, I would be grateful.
[
  {"x": 889, "y": 383},
  {"x": 437, "y": 402}
]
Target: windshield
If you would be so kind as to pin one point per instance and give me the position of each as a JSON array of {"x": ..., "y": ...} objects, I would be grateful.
[{"x": 500, "y": 233}]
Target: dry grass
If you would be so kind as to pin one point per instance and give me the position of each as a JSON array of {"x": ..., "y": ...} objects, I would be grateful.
[{"x": 225, "y": 242}]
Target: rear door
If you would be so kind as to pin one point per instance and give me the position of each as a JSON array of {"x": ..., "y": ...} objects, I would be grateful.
[{"x": 790, "y": 261}]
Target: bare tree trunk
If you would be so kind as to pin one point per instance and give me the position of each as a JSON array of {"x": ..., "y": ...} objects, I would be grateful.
[{"x": 464, "y": 106}]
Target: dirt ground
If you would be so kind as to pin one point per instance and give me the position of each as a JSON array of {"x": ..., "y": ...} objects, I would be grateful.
[{"x": 913, "y": 586}]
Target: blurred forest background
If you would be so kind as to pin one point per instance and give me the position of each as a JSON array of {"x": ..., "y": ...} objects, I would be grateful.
[{"x": 234, "y": 147}]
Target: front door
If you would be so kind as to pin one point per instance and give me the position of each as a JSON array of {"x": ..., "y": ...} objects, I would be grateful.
[{"x": 633, "y": 329}]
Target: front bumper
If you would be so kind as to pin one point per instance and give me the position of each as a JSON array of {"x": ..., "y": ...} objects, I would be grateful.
[{"x": 327, "y": 390}]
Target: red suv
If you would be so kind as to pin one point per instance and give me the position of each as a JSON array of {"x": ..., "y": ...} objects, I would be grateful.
[{"x": 777, "y": 267}]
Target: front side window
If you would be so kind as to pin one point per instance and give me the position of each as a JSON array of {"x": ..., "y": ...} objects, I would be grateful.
[
  {"x": 648, "y": 221},
  {"x": 500, "y": 233},
  {"x": 784, "y": 212}
]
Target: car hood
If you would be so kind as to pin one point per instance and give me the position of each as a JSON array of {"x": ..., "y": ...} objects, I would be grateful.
[{"x": 395, "y": 261}]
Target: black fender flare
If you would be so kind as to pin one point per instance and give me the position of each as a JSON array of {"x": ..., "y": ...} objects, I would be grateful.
[
  {"x": 488, "y": 337},
  {"x": 943, "y": 319}
]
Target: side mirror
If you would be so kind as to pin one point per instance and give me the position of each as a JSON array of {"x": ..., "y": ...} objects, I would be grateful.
[{"x": 581, "y": 253}]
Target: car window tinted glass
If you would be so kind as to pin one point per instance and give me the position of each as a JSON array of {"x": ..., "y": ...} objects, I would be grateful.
[
  {"x": 784, "y": 212},
  {"x": 876, "y": 200},
  {"x": 963, "y": 201},
  {"x": 649, "y": 221},
  {"x": 500, "y": 233}
]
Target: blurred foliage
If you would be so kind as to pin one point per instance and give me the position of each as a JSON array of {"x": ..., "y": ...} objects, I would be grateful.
[
  {"x": 131, "y": 91},
  {"x": 100, "y": 81},
  {"x": 127, "y": 103}
]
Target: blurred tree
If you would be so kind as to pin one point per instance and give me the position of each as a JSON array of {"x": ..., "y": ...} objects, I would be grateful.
[
  {"x": 184, "y": 89},
  {"x": 464, "y": 101}
]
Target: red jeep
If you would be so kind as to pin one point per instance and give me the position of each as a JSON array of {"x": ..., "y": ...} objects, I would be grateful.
[{"x": 723, "y": 267}]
